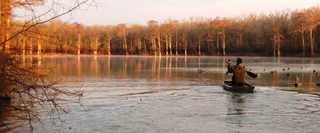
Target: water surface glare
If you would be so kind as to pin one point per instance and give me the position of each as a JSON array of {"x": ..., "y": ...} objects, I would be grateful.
[{"x": 136, "y": 94}]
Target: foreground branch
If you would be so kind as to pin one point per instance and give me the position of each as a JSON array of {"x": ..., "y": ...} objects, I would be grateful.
[{"x": 27, "y": 28}]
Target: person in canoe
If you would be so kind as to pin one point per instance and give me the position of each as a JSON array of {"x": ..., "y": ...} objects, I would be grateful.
[{"x": 238, "y": 71}]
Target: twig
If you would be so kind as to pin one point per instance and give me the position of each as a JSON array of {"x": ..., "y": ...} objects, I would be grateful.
[{"x": 24, "y": 29}]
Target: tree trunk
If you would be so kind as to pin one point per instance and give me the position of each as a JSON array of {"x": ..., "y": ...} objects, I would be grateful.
[
  {"x": 153, "y": 46},
  {"x": 24, "y": 41},
  {"x": 132, "y": 45},
  {"x": 303, "y": 44},
  {"x": 125, "y": 45},
  {"x": 95, "y": 51},
  {"x": 5, "y": 20},
  {"x": 79, "y": 44},
  {"x": 218, "y": 47},
  {"x": 144, "y": 47},
  {"x": 199, "y": 47},
  {"x": 108, "y": 46},
  {"x": 63, "y": 48},
  {"x": 240, "y": 40},
  {"x": 279, "y": 45},
  {"x": 311, "y": 43},
  {"x": 170, "y": 44},
  {"x": 39, "y": 49},
  {"x": 7, "y": 44},
  {"x": 186, "y": 48},
  {"x": 177, "y": 44},
  {"x": 274, "y": 45},
  {"x": 223, "y": 43},
  {"x": 139, "y": 46},
  {"x": 159, "y": 44},
  {"x": 208, "y": 44},
  {"x": 167, "y": 46},
  {"x": 31, "y": 46}
]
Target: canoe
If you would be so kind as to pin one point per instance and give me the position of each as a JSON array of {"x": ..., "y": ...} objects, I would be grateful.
[{"x": 228, "y": 86}]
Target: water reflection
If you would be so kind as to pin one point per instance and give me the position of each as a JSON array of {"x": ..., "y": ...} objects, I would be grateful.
[
  {"x": 236, "y": 109},
  {"x": 236, "y": 104},
  {"x": 209, "y": 70}
]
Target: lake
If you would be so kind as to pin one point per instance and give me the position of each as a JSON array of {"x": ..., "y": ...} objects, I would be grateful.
[{"x": 135, "y": 94}]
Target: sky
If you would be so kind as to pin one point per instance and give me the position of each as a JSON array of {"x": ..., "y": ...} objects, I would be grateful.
[{"x": 106, "y": 12}]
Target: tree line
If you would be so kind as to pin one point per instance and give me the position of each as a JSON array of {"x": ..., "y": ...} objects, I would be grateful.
[{"x": 293, "y": 33}]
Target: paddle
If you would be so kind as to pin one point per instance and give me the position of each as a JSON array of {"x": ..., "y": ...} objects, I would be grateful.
[{"x": 252, "y": 75}]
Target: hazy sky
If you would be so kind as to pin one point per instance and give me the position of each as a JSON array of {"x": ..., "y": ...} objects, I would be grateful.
[{"x": 140, "y": 11}]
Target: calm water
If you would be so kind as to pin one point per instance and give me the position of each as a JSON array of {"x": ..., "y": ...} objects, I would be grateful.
[{"x": 182, "y": 95}]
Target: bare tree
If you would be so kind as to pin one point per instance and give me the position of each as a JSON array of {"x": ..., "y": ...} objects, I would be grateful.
[
  {"x": 154, "y": 31},
  {"x": 312, "y": 21},
  {"x": 276, "y": 39},
  {"x": 299, "y": 26},
  {"x": 222, "y": 24},
  {"x": 122, "y": 33},
  {"x": 108, "y": 38},
  {"x": 24, "y": 87}
]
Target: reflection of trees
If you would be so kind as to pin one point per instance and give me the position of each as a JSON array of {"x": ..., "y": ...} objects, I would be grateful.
[
  {"x": 311, "y": 82},
  {"x": 223, "y": 65},
  {"x": 95, "y": 66},
  {"x": 156, "y": 68},
  {"x": 107, "y": 67},
  {"x": 170, "y": 67},
  {"x": 236, "y": 104},
  {"x": 78, "y": 66},
  {"x": 274, "y": 78}
]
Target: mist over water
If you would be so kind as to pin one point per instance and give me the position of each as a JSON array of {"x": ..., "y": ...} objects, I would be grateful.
[{"x": 182, "y": 94}]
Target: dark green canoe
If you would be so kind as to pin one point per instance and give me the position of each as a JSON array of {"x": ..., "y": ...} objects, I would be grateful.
[{"x": 246, "y": 88}]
